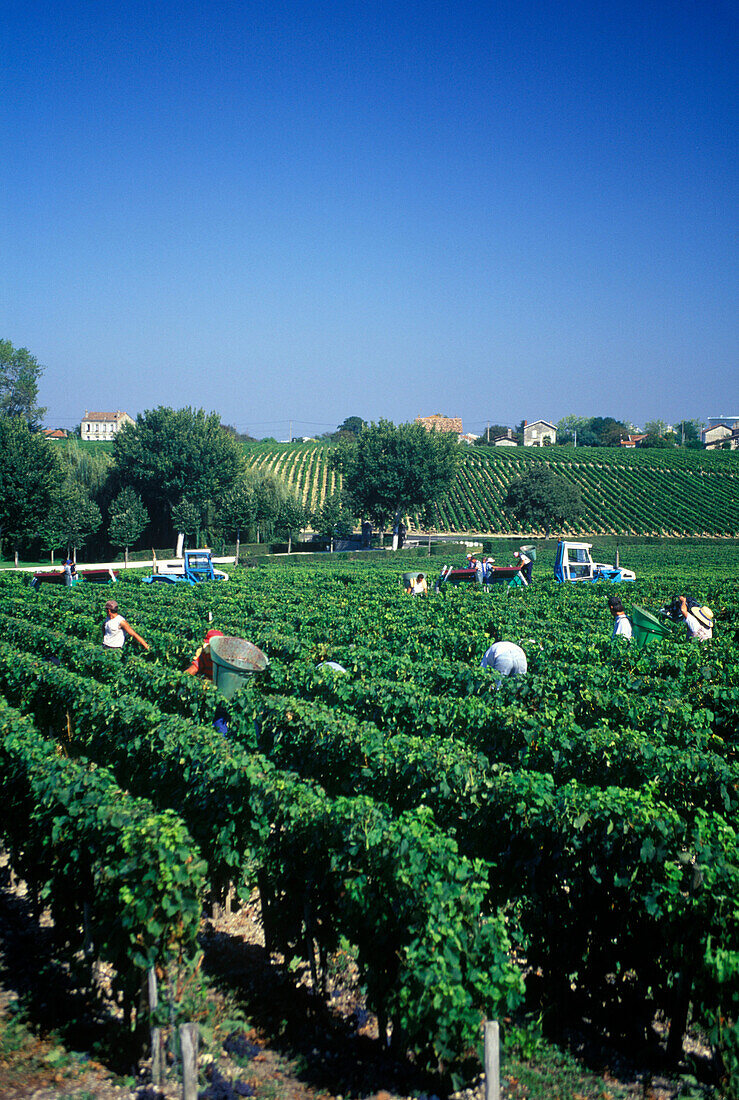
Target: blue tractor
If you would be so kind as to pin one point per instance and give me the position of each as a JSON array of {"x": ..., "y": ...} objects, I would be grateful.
[
  {"x": 574, "y": 562},
  {"x": 193, "y": 567}
]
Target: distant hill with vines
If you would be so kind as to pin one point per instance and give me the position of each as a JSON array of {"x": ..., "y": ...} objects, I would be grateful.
[{"x": 641, "y": 492}]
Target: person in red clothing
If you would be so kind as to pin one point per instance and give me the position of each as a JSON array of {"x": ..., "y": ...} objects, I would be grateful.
[
  {"x": 202, "y": 662},
  {"x": 202, "y": 665}
]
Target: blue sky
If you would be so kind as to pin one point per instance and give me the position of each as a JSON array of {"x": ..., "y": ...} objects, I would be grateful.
[{"x": 299, "y": 212}]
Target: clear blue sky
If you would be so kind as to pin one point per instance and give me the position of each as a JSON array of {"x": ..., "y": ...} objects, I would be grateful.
[{"x": 303, "y": 211}]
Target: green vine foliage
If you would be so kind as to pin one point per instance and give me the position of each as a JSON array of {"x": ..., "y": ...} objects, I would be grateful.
[
  {"x": 577, "y": 826},
  {"x": 122, "y": 881}
]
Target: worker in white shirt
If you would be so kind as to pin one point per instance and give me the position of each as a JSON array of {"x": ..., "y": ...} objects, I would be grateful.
[{"x": 621, "y": 623}]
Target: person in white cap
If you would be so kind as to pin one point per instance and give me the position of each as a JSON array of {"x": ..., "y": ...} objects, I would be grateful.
[
  {"x": 527, "y": 566},
  {"x": 505, "y": 658},
  {"x": 698, "y": 620}
]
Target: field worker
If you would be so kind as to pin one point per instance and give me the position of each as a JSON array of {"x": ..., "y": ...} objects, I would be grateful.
[
  {"x": 527, "y": 566},
  {"x": 698, "y": 620},
  {"x": 505, "y": 658},
  {"x": 621, "y": 624},
  {"x": 202, "y": 665},
  {"x": 202, "y": 662},
  {"x": 334, "y": 666},
  {"x": 115, "y": 629},
  {"x": 419, "y": 586}
]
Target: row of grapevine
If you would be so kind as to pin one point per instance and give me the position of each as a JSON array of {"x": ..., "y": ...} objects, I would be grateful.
[
  {"x": 623, "y": 492},
  {"x": 602, "y": 789}
]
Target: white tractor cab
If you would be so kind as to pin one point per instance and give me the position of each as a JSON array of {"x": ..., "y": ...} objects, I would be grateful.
[{"x": 574, "y": 562}]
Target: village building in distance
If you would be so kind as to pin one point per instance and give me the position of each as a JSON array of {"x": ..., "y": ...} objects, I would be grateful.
[
  {"x": 103, "y": 426},
  {"x": 721, "y": 431},
  {"x": 539, "y": 433},
  {"x": 439, "y": 423}
]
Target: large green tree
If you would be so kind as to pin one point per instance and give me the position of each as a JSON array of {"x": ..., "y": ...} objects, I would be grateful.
[
  {"x": 169, "y": 454},
  {"x": 238, "y": 511},
  {"x": 539, "y": 498},
  {"x": 334, "y": 519},
  {"x": 128, "y": 519},
  {"x": 19, "y": 376},
  {"x": 292, "y": 517},
  {"x": 29, "y": 473},
  {"x": 187, "y": 519},
  {"x": 390, "y": 471},
  {"x": 655, "y": 439},
  {"x": 72, "y": 515},
  {"x": 353, "y": 425},
  {"x": 688, "y": 432}
]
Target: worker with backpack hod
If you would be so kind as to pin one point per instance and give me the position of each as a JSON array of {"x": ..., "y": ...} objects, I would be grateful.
[
  {"x": 621, "y": 624},
  {"x": 698, "y": 620}
]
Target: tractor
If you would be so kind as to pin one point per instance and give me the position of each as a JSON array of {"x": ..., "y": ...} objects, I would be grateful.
[
  {"x": 193, "y": 567},
  {"x": 574, "y": 562}
]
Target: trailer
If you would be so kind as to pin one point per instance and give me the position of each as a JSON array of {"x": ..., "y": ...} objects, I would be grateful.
[
  {"x": 88, "y": 576},
  {"x": 574, "y": 562},
  {"x": 450, "y": 577},
  {"x": 194, "y": 567}
]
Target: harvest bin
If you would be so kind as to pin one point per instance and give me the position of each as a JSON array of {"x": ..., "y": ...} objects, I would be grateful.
[
  {"x": 645, "y": 626},
  {"x": 234, "y": 659}
]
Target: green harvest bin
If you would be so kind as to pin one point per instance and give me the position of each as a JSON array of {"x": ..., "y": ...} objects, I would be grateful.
[
  {"x": 234, "y": 659},
  {"x": 646, "y": 626},
  {"x": 530, "y": 551}
]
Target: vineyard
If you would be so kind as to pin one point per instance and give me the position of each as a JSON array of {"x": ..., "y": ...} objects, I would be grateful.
[
  {"x": 562, "y": 845},
  {"x": 633, "y": 492}
]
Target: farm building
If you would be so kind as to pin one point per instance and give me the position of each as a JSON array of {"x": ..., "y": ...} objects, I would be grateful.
[
  {"x": 103, "y": 426},
  {"x": 538, "y": 433},
  {"x": 718, "y": 434},
  {"x": 441, "y": 423},
  {"x": 633, "y": 440}
]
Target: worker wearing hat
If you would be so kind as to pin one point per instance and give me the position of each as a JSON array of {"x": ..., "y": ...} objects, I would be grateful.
[
  {"x": 202, "y": 662},
  {"x": 698, "y": 620}
]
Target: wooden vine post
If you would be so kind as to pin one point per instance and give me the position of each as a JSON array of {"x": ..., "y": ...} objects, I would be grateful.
[
  {"x": 157, "y": 1054},
  {"x": 492, "y": 1060},
  {"x": 189, "y": 1048}
]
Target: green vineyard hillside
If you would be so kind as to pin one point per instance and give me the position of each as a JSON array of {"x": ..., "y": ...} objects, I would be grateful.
[{"x": 655, "y": 492}]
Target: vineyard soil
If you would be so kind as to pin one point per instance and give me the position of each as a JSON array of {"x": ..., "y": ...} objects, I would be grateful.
[
  {"x": 295, "y": 1050},
  {"x": 412, "y": 837}
]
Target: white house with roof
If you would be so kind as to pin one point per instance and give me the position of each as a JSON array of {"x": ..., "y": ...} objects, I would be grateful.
[
  {"x": 718, "y": 434},
  {"x": 103, "y": 426},
  {"x": 538, "y": 433}
]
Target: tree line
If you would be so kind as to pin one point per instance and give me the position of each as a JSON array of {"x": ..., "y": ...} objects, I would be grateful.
[
  {"x": 182, "y": 470},
  {"x": 173, "y": 470},
  {"x": 179, "y": 470},
  {"x": 604, "y": 431}
]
